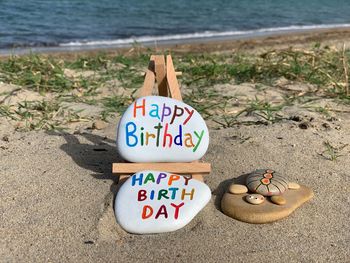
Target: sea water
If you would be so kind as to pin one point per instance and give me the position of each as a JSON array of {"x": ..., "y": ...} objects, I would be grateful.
[{"x": 93, "y": 23}]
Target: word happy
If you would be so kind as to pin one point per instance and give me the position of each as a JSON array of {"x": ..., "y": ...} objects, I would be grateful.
[
  {"x": 176, "y": 195},
  {"x": 165, "y": 133}
]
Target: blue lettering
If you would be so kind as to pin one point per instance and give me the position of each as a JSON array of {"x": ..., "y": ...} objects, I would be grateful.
[{"x": 130, "y": 133}]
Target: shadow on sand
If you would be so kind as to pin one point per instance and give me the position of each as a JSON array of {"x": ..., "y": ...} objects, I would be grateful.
[
  {"x": 223, "y": 188},
  {"x": 96, "y": 156}
]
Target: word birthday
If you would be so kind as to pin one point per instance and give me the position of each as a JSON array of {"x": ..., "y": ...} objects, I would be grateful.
[
  {"x": 165, "y": 133},
  {"x": 175, "y": 196}
]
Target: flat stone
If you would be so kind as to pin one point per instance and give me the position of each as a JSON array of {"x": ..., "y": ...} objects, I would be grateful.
[
  {"x": 255, "y": 199},
  {"x": 278, "y": 200},
  {"x": 99, "y": 125},
  {"x": 293, "y": 186},
  {"x": 237, "y": 189},
  {"x": 161, "y": 129},
  {"x": 157, "y": 202},
  {"x": 266, "y": 182},
  {"x": 236, "y": 207}
]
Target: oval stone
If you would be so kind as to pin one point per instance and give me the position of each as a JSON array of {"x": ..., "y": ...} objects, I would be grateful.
[
  {"x": 266, "y": 182},
  {"x": 294, "y": 186},
  {"x": 161, "y": 129},
  {"x": 157, "y": 202},
  {"x": 278, "y": 200},
  {"x": 255, "y": 199},
  {"x": 237, "y": 189}
]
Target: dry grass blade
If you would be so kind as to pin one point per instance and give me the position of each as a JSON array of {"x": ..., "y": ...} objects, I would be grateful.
[{"x": 345, "y": 66}]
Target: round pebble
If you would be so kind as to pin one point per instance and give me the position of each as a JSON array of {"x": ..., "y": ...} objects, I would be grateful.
[
  {"x": 266, "y": 182},
  {"x": 237, "y": 189},
  {"x": 294, "y": 186},
  {"x": 255, "y": 199},
  {"x": 278, "y": 200}
]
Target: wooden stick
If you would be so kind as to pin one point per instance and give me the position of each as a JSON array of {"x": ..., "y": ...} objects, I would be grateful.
[
  {"x": 177, "y": 168},
  {"x": 159, "y": 68},
  {"x": 150, "y": 79},
  {"x": 172, "y": 80}
]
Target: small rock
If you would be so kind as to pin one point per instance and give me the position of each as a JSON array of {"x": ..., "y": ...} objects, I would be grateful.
[
  {"x": 255, "y": 199},
  {"x": 278, "y": 200},
  {"x": 333, "y": 119},
  {"x": 5, "y": 138},
  {"x": 237, "y": 189},
  {"x": 294, "y": 186},
  {"x": 266, "y": 182},
  {"x": 77, "y": 131},
  {"x": 99, "y": 125}
]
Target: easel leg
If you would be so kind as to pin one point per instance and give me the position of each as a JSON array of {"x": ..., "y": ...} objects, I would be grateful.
[
  {"x": 198, "y": 177},
  {"x": 123, "y": 178}
]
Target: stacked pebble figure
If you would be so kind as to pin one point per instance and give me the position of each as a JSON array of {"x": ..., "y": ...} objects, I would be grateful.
[{"x": 264, "y": 183}]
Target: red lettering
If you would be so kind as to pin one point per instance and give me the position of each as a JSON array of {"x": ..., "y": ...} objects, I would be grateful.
[
  {"x": 143, "y": 107},
  {"x": 141, "y": 196},
  {"x": 166, "y": 134},
  {"x": 177, "y": 208},
  {"x": 189, "y": 116},
  {"x": 147, "y": 212},
  {"x": 162, "y": 211}
]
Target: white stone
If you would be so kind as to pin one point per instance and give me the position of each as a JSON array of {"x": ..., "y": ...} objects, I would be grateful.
[
  {"x": 293, "y": 186},
  {"x": 255, "y": 199},
  {"x": 161, "y": 129},
  {"x": 156, "y": 202}
]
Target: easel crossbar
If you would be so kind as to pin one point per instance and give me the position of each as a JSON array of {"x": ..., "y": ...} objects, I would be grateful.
[{"x": 177, "y": 168}]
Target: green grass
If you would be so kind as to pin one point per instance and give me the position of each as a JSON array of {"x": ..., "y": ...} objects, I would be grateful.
[
  {"x": 323, "y": 67},
  {"x": 331, "y": 152}
]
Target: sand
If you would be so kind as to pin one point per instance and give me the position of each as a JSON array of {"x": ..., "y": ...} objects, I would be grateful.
[{"x": 57, "y": 191}]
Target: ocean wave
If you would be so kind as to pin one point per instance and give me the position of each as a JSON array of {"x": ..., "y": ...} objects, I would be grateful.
[{"x": 201, "y": 35}]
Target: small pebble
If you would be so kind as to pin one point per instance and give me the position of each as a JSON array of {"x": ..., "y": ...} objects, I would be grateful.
[
  {"x": 278, "y": 200},
  {"x": 255, "y": 199},
  {"x": 237, "y": 189},
  {"x": 99, "y": 125},
  {"x": 294, "y": 186}
]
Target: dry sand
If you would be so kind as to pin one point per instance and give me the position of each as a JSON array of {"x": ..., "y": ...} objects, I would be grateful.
[{"x": 57, "y": 191}]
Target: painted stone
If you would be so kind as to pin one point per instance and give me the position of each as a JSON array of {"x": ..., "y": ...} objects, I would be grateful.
[
  {"x": 156, "y": 202},
  {"x": 278, "y": 200},
  {"x": 255, "y": 199},
  {"x": 266, "y": 182},
  {"x": 293, "y": 186},
  {"x": 237, "y": 189},
  {"x": 237, "y": 207},
  {"x": 161, "y": 129}
]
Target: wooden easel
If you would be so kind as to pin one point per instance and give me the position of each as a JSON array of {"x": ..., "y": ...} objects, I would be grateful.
[{"x": 165, "y": 77}]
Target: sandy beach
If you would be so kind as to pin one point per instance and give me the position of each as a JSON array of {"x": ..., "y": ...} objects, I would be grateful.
[{"x": 57, "y": 189}]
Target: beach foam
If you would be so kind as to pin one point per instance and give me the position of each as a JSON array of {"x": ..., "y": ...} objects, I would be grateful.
[{"x": 201, "y": 35}]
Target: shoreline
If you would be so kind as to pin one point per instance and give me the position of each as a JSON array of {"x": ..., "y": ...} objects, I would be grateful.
[{"x": 264, "y": 40}]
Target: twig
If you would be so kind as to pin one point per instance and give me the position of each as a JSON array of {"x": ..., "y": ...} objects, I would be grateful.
[{"x": 345, "y": 66}]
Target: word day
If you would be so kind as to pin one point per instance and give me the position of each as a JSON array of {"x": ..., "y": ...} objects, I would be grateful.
[
  {"x": 171, "y": 197},
  {"x": 170, "y": 129}
]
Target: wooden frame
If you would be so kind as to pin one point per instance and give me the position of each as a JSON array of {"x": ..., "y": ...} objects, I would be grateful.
[{"x": 165, "y": 77}]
